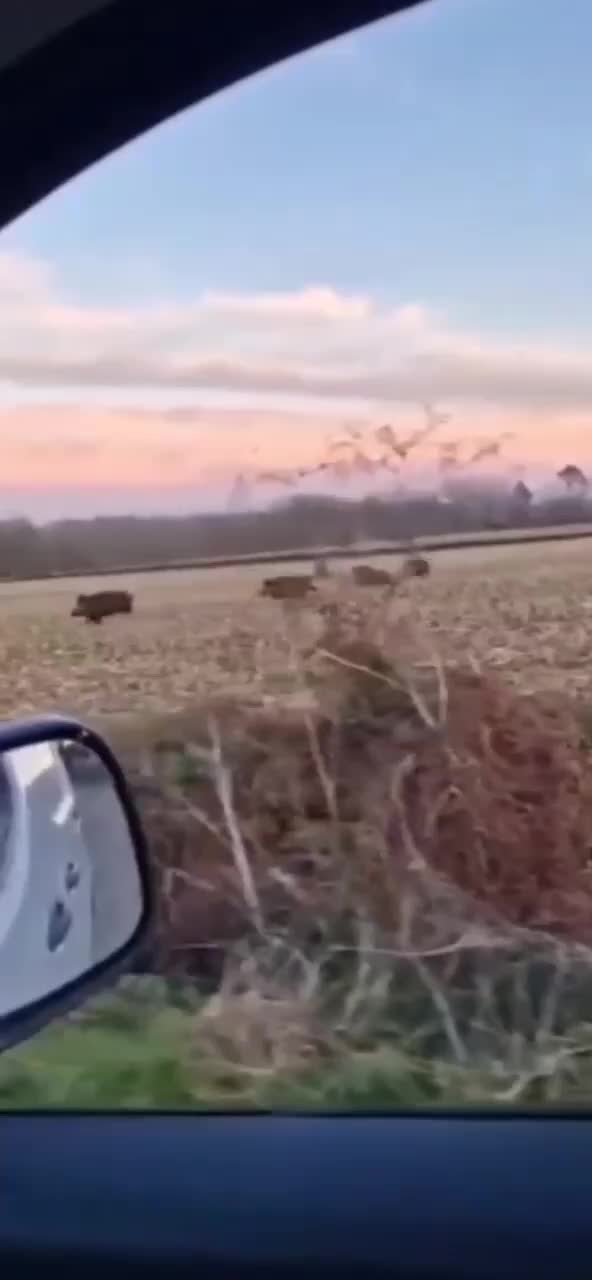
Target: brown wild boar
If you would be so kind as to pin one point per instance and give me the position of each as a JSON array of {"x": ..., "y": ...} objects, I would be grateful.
[
  {"x": 416, "y": 567},
  {"x": 102, "y": 604},
  {"x": 288, "y": 587},
  {"x": 365, "y": 576}
]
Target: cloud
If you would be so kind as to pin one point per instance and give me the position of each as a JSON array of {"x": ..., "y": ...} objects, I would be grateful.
[
  {"x": 318, "y": 305},
  {"x": 314, "y": 342},
  {"x": 81, "y": 444}
]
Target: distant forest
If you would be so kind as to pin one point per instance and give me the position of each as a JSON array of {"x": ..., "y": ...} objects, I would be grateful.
[{"x": 103, "y": 543}]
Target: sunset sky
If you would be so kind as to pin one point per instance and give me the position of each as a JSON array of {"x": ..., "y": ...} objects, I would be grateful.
[{"x": 399, "y": 218}]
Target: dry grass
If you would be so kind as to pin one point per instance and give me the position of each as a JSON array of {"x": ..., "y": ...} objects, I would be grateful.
[
  {"x": 525, "y": 612},
  {"x": 371, "y": 822}
]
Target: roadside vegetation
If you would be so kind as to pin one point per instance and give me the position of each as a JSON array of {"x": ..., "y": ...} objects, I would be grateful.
[{"x": 371, "y": 822}]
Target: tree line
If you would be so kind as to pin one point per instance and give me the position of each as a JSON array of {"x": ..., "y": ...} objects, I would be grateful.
[{"x": 106, "y": 542}]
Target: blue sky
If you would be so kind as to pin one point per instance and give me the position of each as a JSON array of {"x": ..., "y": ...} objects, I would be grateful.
[
  {"x": 445, "y": 153},
  {"x": 440, "y": 160}
]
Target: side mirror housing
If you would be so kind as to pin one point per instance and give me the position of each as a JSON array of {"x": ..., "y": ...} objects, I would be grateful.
[{"x": 75, "y": 887}]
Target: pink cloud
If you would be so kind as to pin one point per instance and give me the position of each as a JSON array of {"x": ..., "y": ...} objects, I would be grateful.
[
  {"x": 51, "y": 445},
  {"x": 108, "y": 395},
  {"x": 315, "y": 342}
]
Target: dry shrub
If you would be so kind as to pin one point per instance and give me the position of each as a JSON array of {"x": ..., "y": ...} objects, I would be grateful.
[
  {"x": 502, "y": 805},
  {"x": 408, "y": 801}
]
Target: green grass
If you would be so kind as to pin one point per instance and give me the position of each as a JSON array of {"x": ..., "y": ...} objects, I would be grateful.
[{"x": 138, "y": 1049}]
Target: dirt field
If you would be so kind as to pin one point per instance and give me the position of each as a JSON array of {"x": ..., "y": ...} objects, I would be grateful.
[{"x": 526, "y": 611}]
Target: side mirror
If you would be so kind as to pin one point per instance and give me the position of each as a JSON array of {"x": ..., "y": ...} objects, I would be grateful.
[{"x": 75, "y": 900}]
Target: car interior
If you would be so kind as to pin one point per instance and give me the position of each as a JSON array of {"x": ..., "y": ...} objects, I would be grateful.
[{"x": 478, "y": 1193}]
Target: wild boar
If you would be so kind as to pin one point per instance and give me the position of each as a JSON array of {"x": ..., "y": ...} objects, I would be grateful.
[
  {"x": 288, "y": 587},
  {"x": 102, "y": 604},
  {"x": 364, "y": 575},
  {"x": 416, "y": 567}
]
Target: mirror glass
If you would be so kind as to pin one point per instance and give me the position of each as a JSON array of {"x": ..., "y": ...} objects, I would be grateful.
[{"x": 70, "y": 888}]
